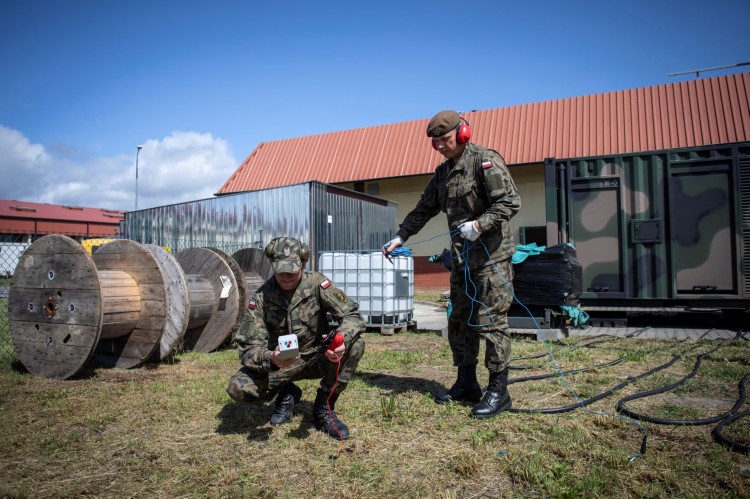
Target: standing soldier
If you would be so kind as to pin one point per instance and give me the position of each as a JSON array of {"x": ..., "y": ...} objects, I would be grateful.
[
  {"x": 475, "y": 190},
  {"x": 295, "y": 301}
]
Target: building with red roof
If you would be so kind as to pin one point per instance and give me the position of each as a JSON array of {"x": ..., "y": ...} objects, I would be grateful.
[
  {"x": 22, "y": 220},
  {"x": 395, "y": 161}
]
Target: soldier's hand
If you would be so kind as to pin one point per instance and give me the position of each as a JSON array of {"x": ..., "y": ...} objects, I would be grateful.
[
  {"x": 392, "y": 245},
  {"x": 470, "y": 230},
  {"x": 282, "y": 363},
  {"x": 335, "y": 355}
]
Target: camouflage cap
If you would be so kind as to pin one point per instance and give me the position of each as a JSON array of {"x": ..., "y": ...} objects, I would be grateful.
[
  {"x": 442, "y": 123},
  {"x": 286, "y": 254}
]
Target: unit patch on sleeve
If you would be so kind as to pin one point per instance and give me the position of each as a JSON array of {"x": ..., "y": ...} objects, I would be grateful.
[
  {"x": 325, "y": 284},
  {"x": 340, "y": 296},
  {"x": 486, "y": 163}
]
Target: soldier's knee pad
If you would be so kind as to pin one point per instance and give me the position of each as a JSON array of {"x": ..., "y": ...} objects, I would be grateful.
[{"x": 241, "y": 389}]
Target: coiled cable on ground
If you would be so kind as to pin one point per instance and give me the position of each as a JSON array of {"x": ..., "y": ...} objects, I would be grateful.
[
  {"x": 721, "y": 439},
  {"x": 621, "y": 408}
]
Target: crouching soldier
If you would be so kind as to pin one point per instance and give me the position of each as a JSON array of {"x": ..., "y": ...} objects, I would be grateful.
[{"x": 295, "y": 302}]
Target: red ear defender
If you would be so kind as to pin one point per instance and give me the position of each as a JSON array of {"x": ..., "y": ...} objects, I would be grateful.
[{"x": 463, "y": 132}]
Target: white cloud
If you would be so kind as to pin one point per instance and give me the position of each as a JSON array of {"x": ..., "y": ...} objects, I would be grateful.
[{"x": 183, "y": 166}]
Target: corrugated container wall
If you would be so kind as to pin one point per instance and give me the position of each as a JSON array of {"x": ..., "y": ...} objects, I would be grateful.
[
  {"x": 328, "y": 218},
  {"x": 347, "y": 220}
]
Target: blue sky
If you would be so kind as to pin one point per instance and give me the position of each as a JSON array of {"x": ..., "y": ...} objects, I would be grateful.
[{"x": 201, "y": 84}]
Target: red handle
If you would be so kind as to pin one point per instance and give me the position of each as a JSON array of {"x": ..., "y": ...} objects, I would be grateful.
[{"x": 337, "y": 341}]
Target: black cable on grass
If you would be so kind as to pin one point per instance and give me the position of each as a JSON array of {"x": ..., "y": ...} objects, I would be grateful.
[
  {"x": 638, "y": 333},
  {"x": 583, "y": 403},
  {"x": 731, "y": 444},
  {"x": 571, "y": 371},
  {"x": 604, "y": 394},
  {"x": 723, "y": 419},
  {"x": 560, "y": 347},
  {"x": 621, "y": 408},
  {"x": 549, "y": 359}
]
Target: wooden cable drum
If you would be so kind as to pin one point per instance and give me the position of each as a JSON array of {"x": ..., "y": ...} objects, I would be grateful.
[
  {"x": 55, "y": 307},
  {"x": 66, "y": 306},
  {"x": 135, "y": 303},
  {"x": 212, "y": 317},
  {"x": 177, "y": 306},
  {"x": 239, "y": 277},
  {"x": 255, "y": 265}
]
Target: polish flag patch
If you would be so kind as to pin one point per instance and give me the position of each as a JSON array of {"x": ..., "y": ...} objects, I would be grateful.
[
  {"x": 251, "y": 305},
  {"x": 325, "y": 284},
  {"x": 486, "y": 163}
]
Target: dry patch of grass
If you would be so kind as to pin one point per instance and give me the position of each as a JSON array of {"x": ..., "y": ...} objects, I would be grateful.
[{"x": 170, "y": 430}]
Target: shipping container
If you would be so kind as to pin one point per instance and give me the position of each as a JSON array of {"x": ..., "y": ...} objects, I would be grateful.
[
  {"x": 665, "y": 231},
  {"x": 326, "y": 217}
]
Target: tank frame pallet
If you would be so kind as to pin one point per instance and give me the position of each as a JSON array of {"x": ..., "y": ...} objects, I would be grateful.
[{"x": 391, "y": 329}]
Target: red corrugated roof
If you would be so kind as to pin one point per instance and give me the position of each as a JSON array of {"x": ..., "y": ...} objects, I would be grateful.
[
  {"x": 694, "y": 113},
  {"x": 44, "y": 211}
]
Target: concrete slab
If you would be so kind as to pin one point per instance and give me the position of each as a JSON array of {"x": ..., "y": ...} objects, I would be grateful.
[{"x": 432, "y": 316}]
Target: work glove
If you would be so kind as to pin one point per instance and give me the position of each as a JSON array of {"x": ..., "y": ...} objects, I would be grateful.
[
  {"x": 469, "y": 231},
  {"x": 392, "y": 245}
]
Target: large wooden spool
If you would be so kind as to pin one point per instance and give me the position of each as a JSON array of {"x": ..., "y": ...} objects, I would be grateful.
[
  {"x": 135, "y": 303},
  {"x": 125, "y": 305},
  {"x": 255, "y": 266},
  {"x": 62, "y": 308},
  {"x": 213, "y": 318},
  {"x": 177, "y": 302}
]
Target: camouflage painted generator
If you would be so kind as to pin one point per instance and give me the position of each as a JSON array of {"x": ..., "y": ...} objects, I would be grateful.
[{"x": 666, "y": 231}]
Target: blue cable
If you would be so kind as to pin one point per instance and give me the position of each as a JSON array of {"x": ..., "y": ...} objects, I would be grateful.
[{"x": 467, "y": 278}]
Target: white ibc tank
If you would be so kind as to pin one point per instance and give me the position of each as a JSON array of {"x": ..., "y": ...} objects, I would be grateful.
[{"x": 384, "y": 289}]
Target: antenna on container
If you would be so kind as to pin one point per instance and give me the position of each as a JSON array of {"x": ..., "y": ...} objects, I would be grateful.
[{"x": 699, "y": 71}]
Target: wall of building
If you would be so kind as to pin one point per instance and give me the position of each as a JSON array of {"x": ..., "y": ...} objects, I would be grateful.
[{"x": 433, "y": 238}]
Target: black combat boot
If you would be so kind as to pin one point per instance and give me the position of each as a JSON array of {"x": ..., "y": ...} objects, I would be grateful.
[
  {"x": 326, "y": 420},
  {"x": 496, "y": 399},
  {"x": 465, "y": 389},
  {"x": 285, "y": 400}
]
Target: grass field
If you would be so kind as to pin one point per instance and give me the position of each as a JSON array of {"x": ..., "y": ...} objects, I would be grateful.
[{"x": 170, "y": 430}]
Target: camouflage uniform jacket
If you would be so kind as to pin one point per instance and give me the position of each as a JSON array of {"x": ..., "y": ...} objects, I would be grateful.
[
  {"x": 272, "y": 314},
  {"x": 476, "y": 187}
]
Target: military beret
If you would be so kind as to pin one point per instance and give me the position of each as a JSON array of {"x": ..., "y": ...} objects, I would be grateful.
[
  {"x": 442, "y": 123},
  {"x": 286, "y": 254}
]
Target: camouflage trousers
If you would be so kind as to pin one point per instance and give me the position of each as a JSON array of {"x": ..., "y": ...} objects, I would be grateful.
[
  {"x": 481, "y": 299},
  {"x": 251, "y": 386}
]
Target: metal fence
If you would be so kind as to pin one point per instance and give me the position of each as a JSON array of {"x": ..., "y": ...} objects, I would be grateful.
[{"x": 9, "y": 256}]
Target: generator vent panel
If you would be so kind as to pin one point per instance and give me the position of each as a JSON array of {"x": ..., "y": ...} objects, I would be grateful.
[{"x": 745, "y": 206}]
